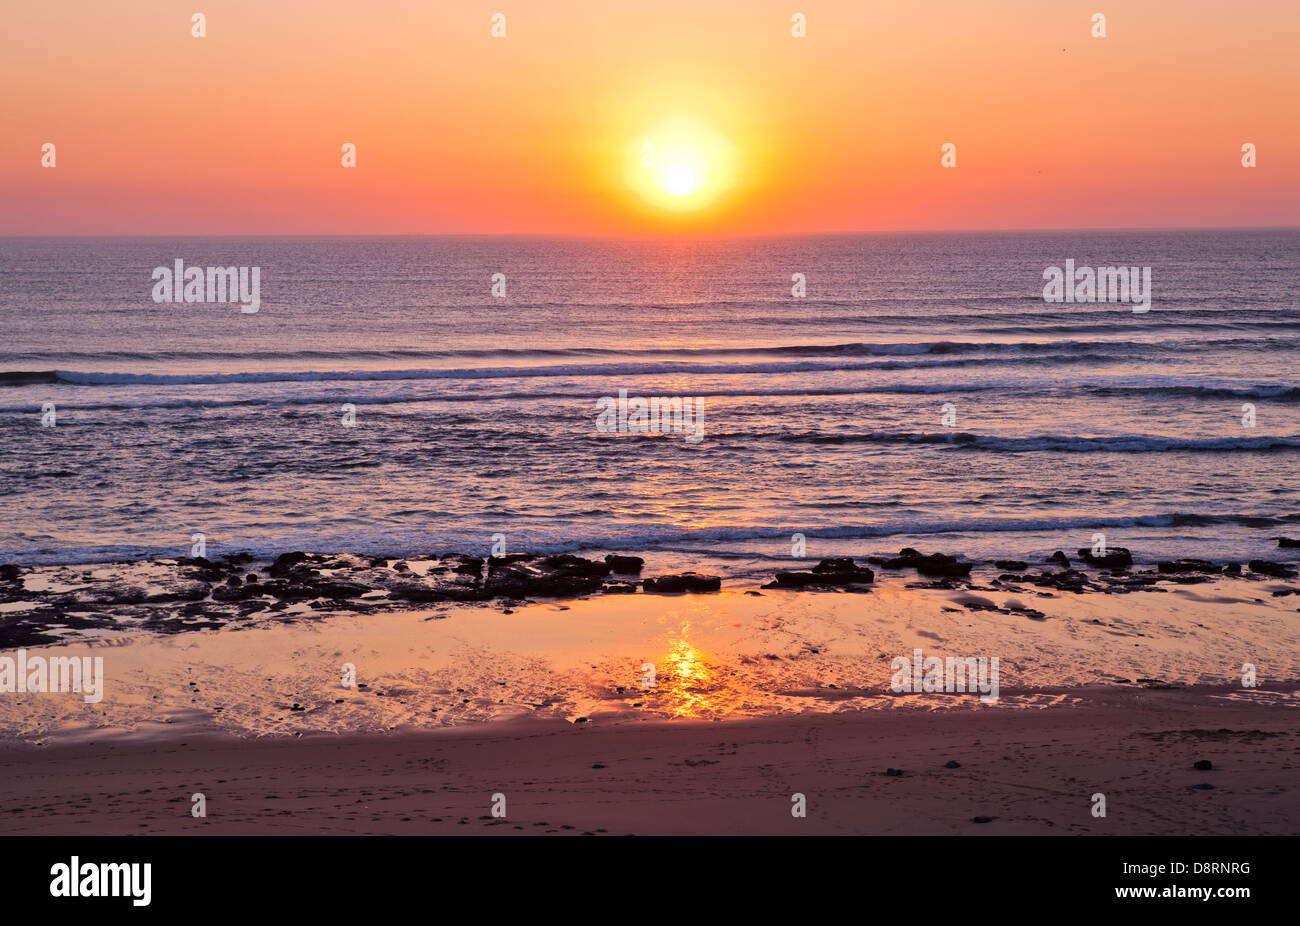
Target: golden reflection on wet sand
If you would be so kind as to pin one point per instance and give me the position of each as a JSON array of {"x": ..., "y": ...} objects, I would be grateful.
[{"x": 688, "y": 683}]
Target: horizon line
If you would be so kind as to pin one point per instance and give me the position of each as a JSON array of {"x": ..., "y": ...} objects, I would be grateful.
[{"x": 669, "y": 236}]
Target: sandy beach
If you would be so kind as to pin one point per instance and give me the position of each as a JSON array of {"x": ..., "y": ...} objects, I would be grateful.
[
  {"x": 758, "y": 695},
  {"x": 1021, "y": 772}
]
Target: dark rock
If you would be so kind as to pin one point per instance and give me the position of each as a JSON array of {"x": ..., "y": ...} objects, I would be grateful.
[
  {"x": 906, "y": 559},
  {"x": 10, "y": 571},
  {"x": 1232, "y": 569},
  {"x": 285, "y": 562},
  {"x": 1142, "y": 580},
  {"x": 562, "y": 576},
  {"x": 1115, "y": 558},
  {"x": 828, "y": 573},
  {"x": 952, "y": 764},
  {"x": 1169, "y": 567},
  {"x": 1203, "y": 786},
  {"x": 796, "y": 580},
  {"x": 940, "y": 564},
  {"x": 836, "y": 564},
  {"x": 893, "y": 772},
  {"x": 235, "y": 581},
  {"x": 123, "y": 594},
  {"x": 1011, "y": 565},
  {"x": 905, "y": 554},
  {"x": 182, "y": 591},
  {"x": 935, "y": 564},
  {"x": 982, "y": 819},
  {"x": 210, "y": 576},
  {"x": 569, "y": 564},
  {"x": 1068, "y": 580},
  {"x": 1059, "y": 558},
  {"x": 1287, "y": 542},
  {"x": 506, "y": 559},
  {"x": 624, "y": 565},
  {"x": 463, "y": 563},
  {"x": 235, "y": 593},
  {"x": 1190, "y": 580},
  {"x": 1269, "y": 568},
  {"x": 618, "y": 588},
  {"x": 290, "y": 591},
  {"x": 685, "y": 582},
  {"x": 439, "y": 591},
  {"x": 337, "y": 589},
  {"x": 1203, "y": 765},
  {"x": 17, "y": 632}
]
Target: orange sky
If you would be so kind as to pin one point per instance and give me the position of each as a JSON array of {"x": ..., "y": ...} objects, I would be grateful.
[{"x": 158, "y": 132}]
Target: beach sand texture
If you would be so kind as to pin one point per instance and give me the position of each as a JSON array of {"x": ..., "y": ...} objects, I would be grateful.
[{"x": 757, "y": 697}]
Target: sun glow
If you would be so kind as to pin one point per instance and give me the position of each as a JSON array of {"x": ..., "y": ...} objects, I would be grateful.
[
  {"x": 681, "y": 181},
  {"x": 681, "y": 165}
]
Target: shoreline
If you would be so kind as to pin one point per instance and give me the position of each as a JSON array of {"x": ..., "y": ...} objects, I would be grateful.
[
  {"x": 613, "y": 658},
  {"x": 54, "y": 604},
  {"x": 1016, "y": 773}
]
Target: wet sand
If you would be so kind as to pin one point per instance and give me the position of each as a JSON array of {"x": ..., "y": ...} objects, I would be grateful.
[
  {"x": 720, "y": 656},
  {"x": 756, "y": 696},
  {"x": 1022, "y": 771}
]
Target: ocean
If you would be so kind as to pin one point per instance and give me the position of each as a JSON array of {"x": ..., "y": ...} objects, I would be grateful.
[{"x": 921, "y": 393}]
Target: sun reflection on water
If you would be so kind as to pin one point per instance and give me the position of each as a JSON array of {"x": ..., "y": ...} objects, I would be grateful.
[{"x": 690, "y": 684}]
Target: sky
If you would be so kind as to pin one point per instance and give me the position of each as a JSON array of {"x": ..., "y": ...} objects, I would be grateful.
[{"x": 542, "y": 131}]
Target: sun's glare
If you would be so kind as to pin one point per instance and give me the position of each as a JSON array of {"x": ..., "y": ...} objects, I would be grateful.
[
  {"x": 681, "y": 165},
  {"x": 681, "y": 181}
]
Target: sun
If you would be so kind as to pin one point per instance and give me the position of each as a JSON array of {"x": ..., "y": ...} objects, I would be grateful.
[
  {"x": 681, "y": 165},
  {"x": 681, "y": 180}
]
